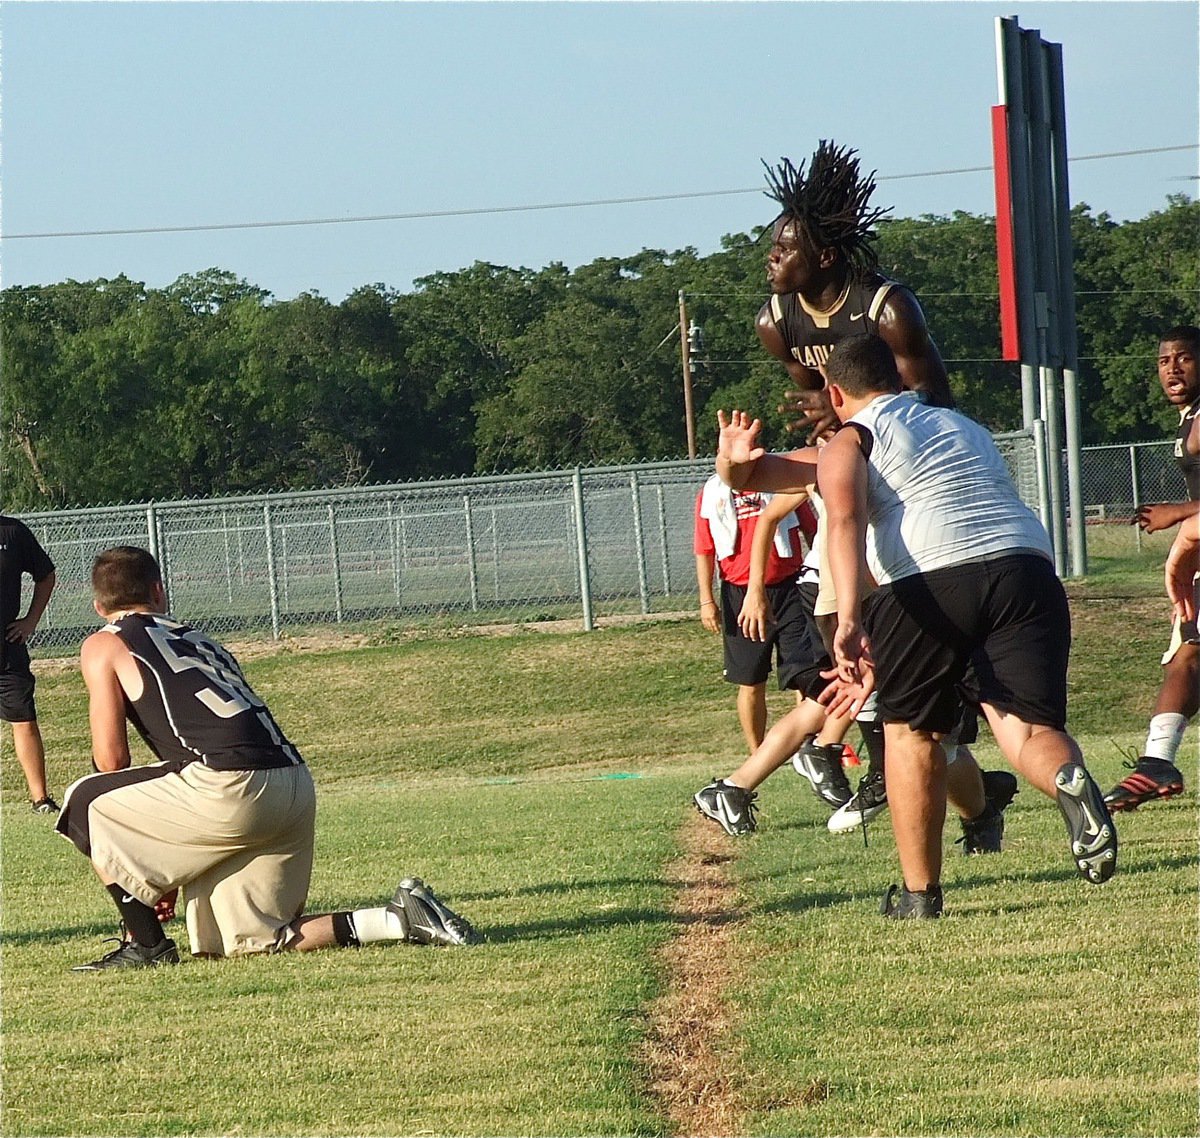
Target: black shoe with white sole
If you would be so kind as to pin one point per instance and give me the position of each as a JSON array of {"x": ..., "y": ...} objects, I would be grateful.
[
  {"x": 1089, "y": 824},
  {"x": 731, "y": 807},
  {"x": 868, "y": 802},
  {"x": 425, "y": 919},
  {"x": 822, "y": 766}
]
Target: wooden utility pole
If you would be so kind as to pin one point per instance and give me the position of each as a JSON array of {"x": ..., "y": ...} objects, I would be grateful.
[{"x": 686, "y": 356}]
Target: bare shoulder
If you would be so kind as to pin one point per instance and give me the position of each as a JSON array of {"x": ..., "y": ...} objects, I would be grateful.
[
  {"x": 768, "y": 333},
  {"x": 100, "y": 649},
  {"x": 902, "y": 311}
]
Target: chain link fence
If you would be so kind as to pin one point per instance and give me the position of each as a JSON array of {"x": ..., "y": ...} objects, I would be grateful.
[
  {"x": 521, "y": 547},
  {"x": 572, "y": 544}
]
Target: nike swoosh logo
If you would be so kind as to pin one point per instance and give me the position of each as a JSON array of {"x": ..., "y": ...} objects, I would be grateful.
[
  {"x": 1092, "y": 830},
  {"x": 126, "y": 899},
  {"x": 856, "y": 316},
  {"x": 732, "y": 817}
]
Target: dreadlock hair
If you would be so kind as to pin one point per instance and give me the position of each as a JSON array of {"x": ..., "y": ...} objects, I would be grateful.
[{"x": 828, "y": 204}]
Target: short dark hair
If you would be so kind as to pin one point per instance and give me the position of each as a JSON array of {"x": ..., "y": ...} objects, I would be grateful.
[
  {"x": 863, "y": 364},
  {"x": 828, "y": 203},
  {"x": 1188, "y": 333},
  {"x": 124, "y": 575}
]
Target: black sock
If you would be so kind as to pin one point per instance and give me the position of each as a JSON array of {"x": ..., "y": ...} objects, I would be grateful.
[
  {"x": 343, "y": 930},
  {"x": 872, "y": 736},
  {"x": 141, "y": 921}
]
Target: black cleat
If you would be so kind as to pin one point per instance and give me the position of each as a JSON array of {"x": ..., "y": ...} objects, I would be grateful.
[
  {"x": 130, "y": 954},
  {"x": 999, "y": 788},
  {"x": 731, "y": 807},
  {"x": 45, "y": 805},
  {"x": 822, "y": 766},
  {"x": 1151, "y": 779},
  {"x": 425, "y": 919},
  {"x": 1093, "y": 835},
  {"x": 918, "y": 905},
  {"x": 985, "y": 833},
  {"x": 868, "y": 802}
]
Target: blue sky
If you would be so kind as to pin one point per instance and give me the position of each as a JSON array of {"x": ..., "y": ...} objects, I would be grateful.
[{"x": 136, "y": 115}]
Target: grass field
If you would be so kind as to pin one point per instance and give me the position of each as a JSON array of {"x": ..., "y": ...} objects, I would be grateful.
[{"x": 542, "y": 783}]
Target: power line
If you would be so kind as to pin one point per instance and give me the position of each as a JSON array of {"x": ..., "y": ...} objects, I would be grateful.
[{"x": 487, "y": 210}]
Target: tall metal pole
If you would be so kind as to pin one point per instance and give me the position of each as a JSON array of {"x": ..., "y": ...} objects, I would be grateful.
[
  {"x": 686, "y": 355},
  {"x": 1056, "y": 108}
]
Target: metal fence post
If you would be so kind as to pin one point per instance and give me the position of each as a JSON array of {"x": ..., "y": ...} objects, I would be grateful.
[
  {"x": 471, "y": 568},
  {"x": 1137, "y": 493},
  {"x": 639, "y": 542},
  {"x": 271, "y": 581},
  {"x": 337, "y": 566},
  {"x": 393, "y": 532},
  {"x": 666, "y": 548},
  {"x": 284, "y": 577},
  {"x": 1043, "y": 487},
  {"x": 495, "y": 556},
  {"x": 228, "y": 561},
  {"x": 585, "y": 584}
]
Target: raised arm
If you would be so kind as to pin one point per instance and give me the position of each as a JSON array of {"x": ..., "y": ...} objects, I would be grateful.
[{"x": 744, "y": 465}]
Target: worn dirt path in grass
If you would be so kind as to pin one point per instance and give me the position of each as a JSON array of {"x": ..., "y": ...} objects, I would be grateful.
[{"x": 689, "y": 1056}]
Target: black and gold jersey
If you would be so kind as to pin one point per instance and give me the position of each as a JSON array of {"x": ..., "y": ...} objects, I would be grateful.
[
  {"x": 1189, "y": 463},
  {"x": 195, "y": 704},
  {"x": 810, "y": 335}
]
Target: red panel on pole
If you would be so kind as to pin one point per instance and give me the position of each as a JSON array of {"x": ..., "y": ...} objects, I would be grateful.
[{"x": 1006, "y": 258}]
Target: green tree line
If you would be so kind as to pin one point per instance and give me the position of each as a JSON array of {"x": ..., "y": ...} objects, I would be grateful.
[{"x": 114, "y": 392}]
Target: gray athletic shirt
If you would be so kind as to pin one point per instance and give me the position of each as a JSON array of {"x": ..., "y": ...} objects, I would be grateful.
[{"x": 938, "y": 492}]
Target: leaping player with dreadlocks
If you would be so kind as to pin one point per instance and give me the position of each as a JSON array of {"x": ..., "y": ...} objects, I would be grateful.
[
  {"x": 826, "y": 285},
  {"x": 823, "y": 271}
]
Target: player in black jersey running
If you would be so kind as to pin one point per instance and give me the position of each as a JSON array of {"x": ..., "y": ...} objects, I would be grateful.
[
  {"x": 228, "y": 811},
  {"x": 1155, "y": 774},
  {"x": 825, "y": 285}
]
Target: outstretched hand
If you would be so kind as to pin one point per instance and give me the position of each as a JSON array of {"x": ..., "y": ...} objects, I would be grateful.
[{"x": 738, "y": 440}]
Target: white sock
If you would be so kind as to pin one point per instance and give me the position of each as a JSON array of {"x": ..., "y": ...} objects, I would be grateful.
[
  {"x": 869, "y": 712},
  {"x": 1165, "y": 735},
  {"x": 373, "y": 925}
]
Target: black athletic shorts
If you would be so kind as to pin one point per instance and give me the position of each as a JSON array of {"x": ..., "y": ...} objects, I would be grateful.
[
  {"x": 808, "y": 678},
  {"x": 789, "y": 639},
  {"x": 16, "y": 696},
  {"x": 996, "y": 632}
]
